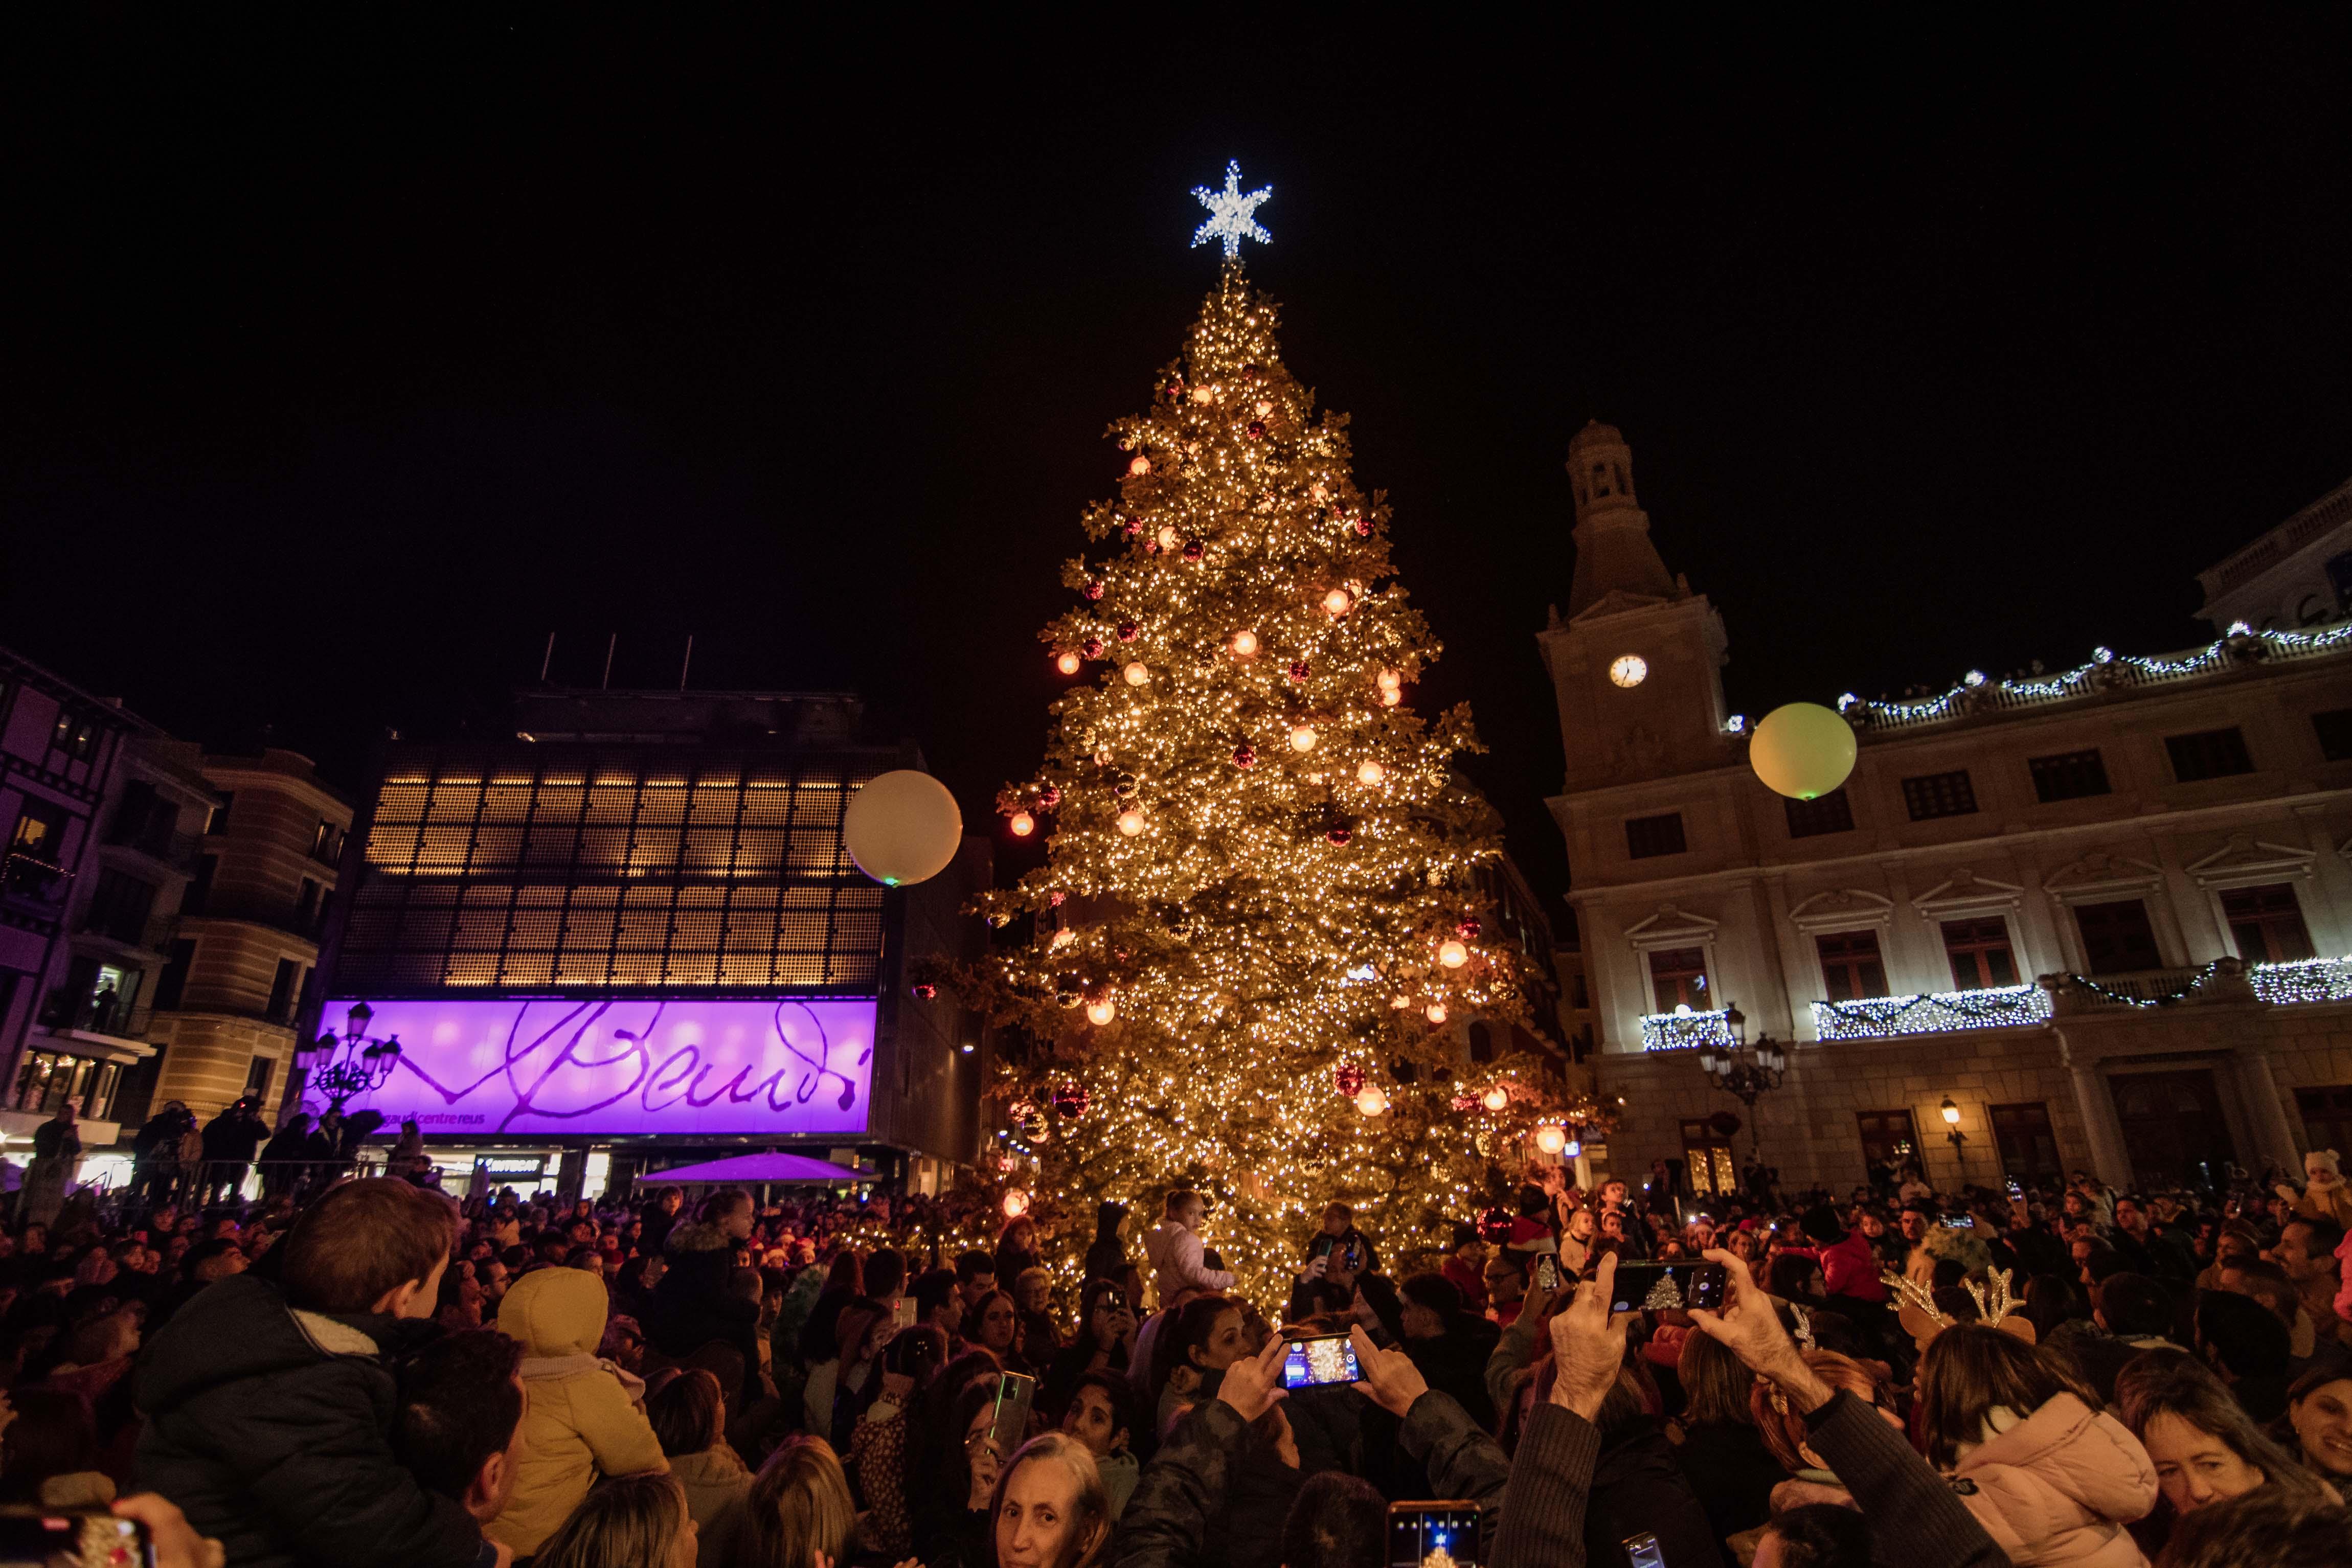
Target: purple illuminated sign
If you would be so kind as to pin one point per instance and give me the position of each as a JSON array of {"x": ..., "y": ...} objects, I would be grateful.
[{"x": 610, "y": 1067}]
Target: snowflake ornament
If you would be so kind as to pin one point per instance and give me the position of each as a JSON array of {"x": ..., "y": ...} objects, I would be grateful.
[{"x": 1229, "y": 213}]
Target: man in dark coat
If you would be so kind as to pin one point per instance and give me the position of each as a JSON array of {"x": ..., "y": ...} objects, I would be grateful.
[{"x": 231, "y": 1140}]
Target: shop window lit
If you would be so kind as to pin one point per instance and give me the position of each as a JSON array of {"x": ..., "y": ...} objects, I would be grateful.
[{"x": 48, "y": 1078}]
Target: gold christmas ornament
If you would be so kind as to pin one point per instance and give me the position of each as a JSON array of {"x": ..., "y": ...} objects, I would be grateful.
[
  {"x": 1370, "y": 1101},
  {"x": 1370, "y": 772},
  {"x": 1550, "y": 1139},
  {"x": 1101, "y": 1010},
  {"x": 1022, "y": 824},
  {"x": 1495, "y": 1098},
  {"x": 1302, "y": 738},
  {"x": 1246, "y": 645},
  {"x": 1067, "y": 663},
  {"x": 1138, "y": 674},
  {"x": 1131, "y": 822},
  {"x": 1452, "y": 955}
]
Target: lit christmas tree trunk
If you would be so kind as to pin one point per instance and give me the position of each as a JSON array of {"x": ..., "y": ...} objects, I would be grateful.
[{"x": 1259, "y": 910}]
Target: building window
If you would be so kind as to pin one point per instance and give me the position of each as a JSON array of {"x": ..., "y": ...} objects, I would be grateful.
[
  {"x": 258, "y": 1076},
  {"x": 2117, "y": 937},
  {"x": 174, "y": 981},
  {"x": 1980, "y": 952},
  {"x": 1678, "y": 978},
  {"x": 120, "y": 907},
  {"x": 1940, "y": 795},
  {"x": 216, "y": 824},
  {"x": 1578, "y": 995},
  {"x": 1890, "y": 1144},
  {"x": 1829, "y": 813},
  {"x": 2334, "y": 730},
  {"x": 2326, "y": 1115},
  {"x": 282, "y": 993},
  {"x": 40, "y": 830},
  {"x": 2266, "y": 923},
  {"x": 1649, "y": 837},
  {"x": 1707, "y": 1162},
  {"x": 327, "y": 843},
  {"x": 75, "y": 735},
  {"x": 1851, "y": 967},
  {"x": 1481, "y": 1043},
  {"x": 2069, "y": 776},
  {"x": 48, "y": 1078},
  {"x": 2208, "y": 754},
  {"x": 306, "y": 904},
  {"x": 2028, "y": 1148}
]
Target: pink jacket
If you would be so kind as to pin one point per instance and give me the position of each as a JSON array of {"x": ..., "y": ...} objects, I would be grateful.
[
  {"x": 1176, "y": 1265},
  {"x": 2344, "y": 1291},
  {"x": 2060, "y": 1486}
]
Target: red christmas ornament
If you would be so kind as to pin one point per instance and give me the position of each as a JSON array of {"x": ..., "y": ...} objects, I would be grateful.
[
  {"x": 1057, "y": 900},
  {"x": 1249, "y": 372},
  {"x": 1048, "y": 798},
  {"x": 1175, "y": 392},
  {"x": 1341, "y": 835},
  {"x": 927, "y": 992},
  {"x": 1349, "y": 1078},
  {"x": 1126, "y": 630},
  {"x": 1468, "y": 929},
  {"x": 1257, "y": 430},
  {"x": 1093, "y": 648},
  {"x": 1364, "y": 528},
  {"x": 1094, "y": 589},
  {"x": 1134, "y": 526},
  {"x": 1243, "y": 755},
  {"x": 1298, "y": 669},
  {"x": 1195, "y": 549},
  {"x": 1070, "y": 1100}
]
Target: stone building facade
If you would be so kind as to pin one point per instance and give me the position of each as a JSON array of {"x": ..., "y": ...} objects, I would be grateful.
[
  {"x": 241, "y": 959},
  {"x": 2089, "y": 919}
]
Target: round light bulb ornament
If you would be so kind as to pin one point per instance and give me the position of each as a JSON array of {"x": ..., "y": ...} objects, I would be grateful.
[
  {"x": 1436, "y": 1013},
  {"x": 1022, "y": 824},
  {"x": 1303, "y": 738},
  {"x": 1016, "y": 1204},
  {"x": 1452, "y": 955},
  {"x": 1494, "y": 1099},
  {"x": 1801, "y": 750},
  {"x": 1391, "y": 680},
  {"x": 1550, "y": 1140},
  {"x": 1370, "y": 772},
  {"x": 1337, "y": 602},
  {"x": 1390, "y": 697},
  {"x": 902, "y": 827},
  {"x": 1244, "y": 644},
  {"x": 1101, "y": 1010},
  {"x": 1370, "y": 1101},
  {"x": 1131, "y": 822},
  {"x": 1067, "y": 663},
  {"x": 1138, "y": 674}
]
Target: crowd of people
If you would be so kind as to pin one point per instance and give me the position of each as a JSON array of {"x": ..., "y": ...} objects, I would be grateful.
[{"x": 374, "y": 1372}]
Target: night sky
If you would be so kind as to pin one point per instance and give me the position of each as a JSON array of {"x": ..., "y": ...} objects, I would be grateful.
[{"x": 343, "y": 365}]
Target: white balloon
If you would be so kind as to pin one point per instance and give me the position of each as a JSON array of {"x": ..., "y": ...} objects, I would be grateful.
[{"x": 902, "y": 827}]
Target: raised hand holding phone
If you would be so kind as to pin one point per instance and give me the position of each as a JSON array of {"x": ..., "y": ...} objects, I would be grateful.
[
  {"x": 1588, "y": 1344},
  {"x": 1253, "y": 1383},
  {"x": 1390, "y": 1379},
  {"x": 1750, "y": 1328}
]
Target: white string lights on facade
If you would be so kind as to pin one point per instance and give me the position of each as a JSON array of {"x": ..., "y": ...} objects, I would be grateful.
[{"x": 2106, "y": 670}]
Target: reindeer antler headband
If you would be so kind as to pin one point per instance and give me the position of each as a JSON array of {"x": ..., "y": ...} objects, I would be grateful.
[{"x": 1996, "y": 1306}]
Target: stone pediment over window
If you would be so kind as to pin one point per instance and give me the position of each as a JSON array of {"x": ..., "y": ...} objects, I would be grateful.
[
  {"x": 2249, "y": 859},
  {"x": 1965, "y": 893},
  {"x": 1843, "y": 909},
  {"x": 2097, "y": 877},
  {"x": 1671, "y": 927},
  {"x": 1616, "y": 602}
]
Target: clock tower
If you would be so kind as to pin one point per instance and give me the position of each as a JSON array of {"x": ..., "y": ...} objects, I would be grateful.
[{"x": 1637, "y": 662}]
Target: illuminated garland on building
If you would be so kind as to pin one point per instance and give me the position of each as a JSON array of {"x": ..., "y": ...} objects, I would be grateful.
[
  {"x": 1259, "y": 885},
  {"x": 1931, "y": 1012},
  {"x": 2307, "y": 980},
  {"x": 2106, "y": 670},
  {"x": 1685, "y": 1031}
]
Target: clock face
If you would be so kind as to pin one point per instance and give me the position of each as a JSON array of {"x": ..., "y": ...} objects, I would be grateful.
[{"x": 1630, "y": 670}]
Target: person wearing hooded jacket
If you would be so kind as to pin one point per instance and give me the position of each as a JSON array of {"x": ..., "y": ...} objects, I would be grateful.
[
  {"x": 2052, "y": 1478},
  {"x": 583, "y": 1419},
  {"x": 1173, "y": 1246},
  {"x": 692, "y": 1304}
]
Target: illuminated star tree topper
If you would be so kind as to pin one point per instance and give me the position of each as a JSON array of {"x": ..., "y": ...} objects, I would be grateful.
[{"x": 1229, "y": 213}]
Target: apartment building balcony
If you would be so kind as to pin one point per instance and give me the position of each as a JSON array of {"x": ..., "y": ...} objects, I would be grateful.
[
  {"x": 285, "y": 914},
  {"x": 175, "y": 852},
  {"x": 2294, "y": 984}
]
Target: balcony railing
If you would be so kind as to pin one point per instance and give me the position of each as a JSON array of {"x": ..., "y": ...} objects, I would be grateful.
[
  {"x": 1685, "y": 1031},
  {"x": 1931, "y": 1012},
  {"x": 94, "y": 1015},
  {"x": 2311, "y": 980},
  {"x": 24, "y": 876}
]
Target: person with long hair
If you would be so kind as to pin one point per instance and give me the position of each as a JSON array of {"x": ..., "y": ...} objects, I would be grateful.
[
  {"x": 1049, "y": 1509},
  {"x": 1722, "y": 1452},
  {"x": 2317, "y": 1425},
  {"x": 2205, "y": 1447},
  {"x": 2055, "y": 1479},
  {"x": 1203, "y": 1335},
  {"x": 799, "y": 1513},
  {"x": 1782, "y": 1426},
  {"x": 629, "y": 1522},
  {"x": 878, "y": 1446},
  {"x": 1105, "y": 1338},
  {"x": 1016, "y": 1251},
  {"x": 830, "y": 1402},
  {"x": 954, "y": 1504},
  {"x": 994, "y": 1323}
]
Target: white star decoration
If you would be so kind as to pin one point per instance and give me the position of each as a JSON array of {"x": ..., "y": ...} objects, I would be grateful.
[{"x": 1229, "y": 213}]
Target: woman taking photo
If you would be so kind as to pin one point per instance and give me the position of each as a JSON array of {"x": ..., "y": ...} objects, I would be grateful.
[
  {"x": 830, "y": 1402},
  {"x": 2055, "y": 1479},
  {"x": 1105, "y": 1340}
]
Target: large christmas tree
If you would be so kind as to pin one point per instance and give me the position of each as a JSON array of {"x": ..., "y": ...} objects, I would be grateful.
[{"x": 1259, "y": 927}]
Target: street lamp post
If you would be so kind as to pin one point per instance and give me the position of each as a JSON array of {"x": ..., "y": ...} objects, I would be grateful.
[
  {"x": 353, "y": 1063},
  {"x": 1749, "y": 1081},
  {"x": 1951, "y": 1115}
]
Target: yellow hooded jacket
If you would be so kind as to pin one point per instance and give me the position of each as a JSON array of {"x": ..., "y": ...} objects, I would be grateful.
[{"x": 582, "y": 1421}]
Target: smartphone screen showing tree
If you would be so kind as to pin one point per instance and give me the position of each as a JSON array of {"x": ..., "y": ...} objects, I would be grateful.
[
  {"x": 1666, "y": 1287},
  {"x": 1433, "y": 1535}
]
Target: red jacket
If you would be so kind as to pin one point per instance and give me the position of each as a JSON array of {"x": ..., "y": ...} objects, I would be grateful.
[
  {"x": 1851, "y": 1268},
  {"x": 1469, "y": 1281}
]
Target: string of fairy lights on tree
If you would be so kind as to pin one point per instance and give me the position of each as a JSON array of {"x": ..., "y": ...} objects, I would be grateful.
[{"x": 1258, "y": 916}]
